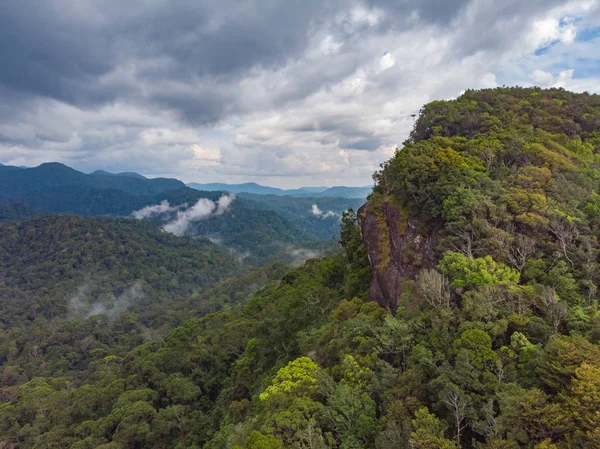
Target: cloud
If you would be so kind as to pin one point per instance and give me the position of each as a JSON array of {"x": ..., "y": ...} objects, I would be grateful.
[
  {"x": 158, "y": 209},
  {"x": 202, "y": 210},
  {"x": 319, "y": 213},
  {"x": 299, "y": 255},
  {"x": 387, "y": 61},
  {"x": 284, "y": 93},
  {"x": 546, "y": 79},
  {"x": 223, "y": 203}
]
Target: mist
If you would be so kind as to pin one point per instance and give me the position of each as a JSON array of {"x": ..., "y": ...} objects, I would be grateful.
[
  {"x": 202, "y": 210},
  {"x": 158, "y": 209},
  {"x": 319, "y": 213},
  {"x": 81, "y": 306}
]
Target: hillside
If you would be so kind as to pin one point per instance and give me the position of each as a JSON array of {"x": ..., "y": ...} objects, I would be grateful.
[
  {"x": 478, "y": 251},
  {"x": 60, "y": 271},
  {"x": 5, "y": 168},
  {"x": 318, "y": 216},
  {"x": 253, "y": 231}
]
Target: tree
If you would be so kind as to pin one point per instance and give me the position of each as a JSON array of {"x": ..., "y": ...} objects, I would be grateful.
[
  {"x": 257, "y": 440},
  {"x": 465, "y": 272},
  {"x": 428, "y": 432},
  {"x": 433, "y": 288},
  {"x": 565, "y": 229},
  {"x": 351, "y": 413},
  {"x": 454, "y": 399},
  {"x": 583, "y": 404}
]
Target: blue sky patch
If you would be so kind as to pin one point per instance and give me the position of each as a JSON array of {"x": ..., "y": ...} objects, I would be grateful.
[{"x": 587, "y": 34}]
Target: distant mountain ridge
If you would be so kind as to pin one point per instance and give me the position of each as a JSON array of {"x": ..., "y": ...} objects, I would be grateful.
[
  {"x": 5, "y": 168},
  {"x": 303, "y": 192},
  {"x": 15, "y": 183},
  {"x": 127, "y": 174},
  {"x": 258, "y": 227}
]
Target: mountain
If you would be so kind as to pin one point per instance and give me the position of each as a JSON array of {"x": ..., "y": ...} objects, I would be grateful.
[
  {"x": 317, "y": 192},
  {"x": 249, "y": 187},
  {"x": 6, "y": 168},
  {"x": 313, "y": 189},
  {"x": 125, "y": 174},
  {"x": 345, "y": 192},
  {"x": 255, "y": 232},
  {"x": 461, "y": 313},
  {"x": 15, "y": 183}
]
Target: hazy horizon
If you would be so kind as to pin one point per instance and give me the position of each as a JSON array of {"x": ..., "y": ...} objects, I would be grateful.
[{"x": 261, "y": 181}]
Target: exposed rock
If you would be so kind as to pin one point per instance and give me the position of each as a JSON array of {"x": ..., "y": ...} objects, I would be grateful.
[{"x": 398, "y": 249}]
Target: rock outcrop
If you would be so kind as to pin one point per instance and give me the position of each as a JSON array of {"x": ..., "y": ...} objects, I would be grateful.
[{"x": 398, "y": 247}]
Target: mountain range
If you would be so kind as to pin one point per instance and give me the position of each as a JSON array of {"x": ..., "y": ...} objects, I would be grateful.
[
  {"x": 15, "y": 182},
  {"x": 54, "y": 174},
  {"x": 314, "y": 192},
  {"x": 258, "y": 228}
]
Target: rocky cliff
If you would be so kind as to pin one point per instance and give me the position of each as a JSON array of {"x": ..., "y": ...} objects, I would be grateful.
[{"x": 398, "y": 247}]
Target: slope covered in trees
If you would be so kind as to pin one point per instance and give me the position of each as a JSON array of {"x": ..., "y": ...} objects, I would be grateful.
[
  {"x": 495, "y": 347},
  {"x": 320, "y": 217},
  {"x": 62, "y": 277}
]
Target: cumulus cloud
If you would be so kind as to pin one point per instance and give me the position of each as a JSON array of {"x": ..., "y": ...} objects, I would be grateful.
[
  {"x": 546, "y": 79},
  {"x": 284, "y": 93}
]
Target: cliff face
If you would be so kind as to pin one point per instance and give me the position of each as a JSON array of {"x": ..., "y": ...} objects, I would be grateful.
[{"x": 397, "y": 247}]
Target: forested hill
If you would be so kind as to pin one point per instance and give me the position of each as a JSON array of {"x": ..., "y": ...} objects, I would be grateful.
[
  {"x": 59, "y": 272},
  {"x": 479, "y": 251},
  {"x": 54, "y": 175},
  {"x": 507, "y": 174},
  {"x": 56, "y": 188}
]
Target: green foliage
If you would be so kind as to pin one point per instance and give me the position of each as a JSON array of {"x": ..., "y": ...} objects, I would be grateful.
[
  {"x": 257, "y": 440},
  {"x": 429, "y": 432},
  {"x": 466, "y": 272},
  {"x": 298, "y": 378}
]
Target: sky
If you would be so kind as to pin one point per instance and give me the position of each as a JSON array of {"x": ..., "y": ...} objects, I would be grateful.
[{"x": 286, "y": 93}]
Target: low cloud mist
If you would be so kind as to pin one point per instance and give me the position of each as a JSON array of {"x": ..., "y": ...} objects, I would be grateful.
[
  {"x": 202, "y": 210},
  {"x": 81, "y": 304},
  {"x": 300, "y": 255},
  {"x": 158, "y": 209},
  {"x": 319, "y": 213}
]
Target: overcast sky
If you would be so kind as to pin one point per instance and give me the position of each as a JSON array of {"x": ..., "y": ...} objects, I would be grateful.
[{"x": 280, "y": 92}]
